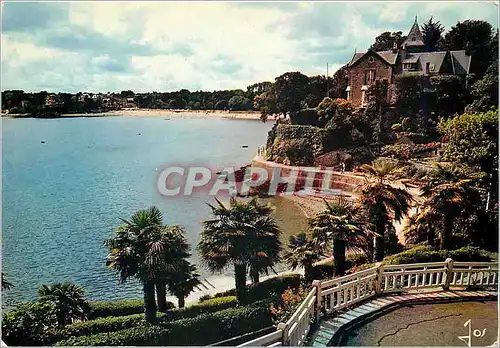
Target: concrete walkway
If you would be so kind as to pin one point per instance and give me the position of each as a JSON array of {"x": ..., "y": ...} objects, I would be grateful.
[{"x": 325, "y": 332}]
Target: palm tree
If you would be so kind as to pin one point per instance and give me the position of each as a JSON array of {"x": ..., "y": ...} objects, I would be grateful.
[
  {"x": 302, "y": 253},
  {"x": 68, "y": 300},
  {"x": 6, "y": 285},
  {"x": 242, "y": 235},
  {"x": 182, "y": 283},
  {"x": 145, "y": 249},
  {"x": 336, "y": 224},
  {"x": 450, "y": 196},
  {"x": 383, "y": 202}
]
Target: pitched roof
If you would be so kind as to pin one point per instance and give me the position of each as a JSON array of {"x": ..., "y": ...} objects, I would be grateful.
[
  {"x": 460, "y": 61},
  {"x": 388, "y": 56},
  {"x": 433, "y": 58},
  {"x": 356, "y": 57},
  {"x": 415, "y": 37}
]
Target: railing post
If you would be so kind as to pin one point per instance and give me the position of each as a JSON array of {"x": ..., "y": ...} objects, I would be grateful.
[
  {"x": 449, "y": 273},
  {"x": 378, "y": 278},
  {"x": 284, "y": 329},
  {"x": 317, "y": 305}
]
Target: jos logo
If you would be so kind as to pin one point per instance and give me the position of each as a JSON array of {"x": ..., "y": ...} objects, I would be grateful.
[{"x": 476, "y": 333}]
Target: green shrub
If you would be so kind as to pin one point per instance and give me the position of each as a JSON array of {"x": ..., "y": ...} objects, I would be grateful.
[
  {"x": 29, "y": 324},
  {"x": 101, "y": 309},
  {"x": 262, "y": 290},
  {"x": 323, "y": 270},
  {"x": 110, "y": 324},
  {"x": 207, "y": 306},
  {"x": 96, "y": 326},
  {"x": 304, "y": 117},
  {"x": 424, "y": 253},
  {"x": 201, "y": 330}
]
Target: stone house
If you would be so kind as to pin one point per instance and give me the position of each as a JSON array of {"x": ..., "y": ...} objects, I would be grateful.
[{"x": 367, "y": 67}]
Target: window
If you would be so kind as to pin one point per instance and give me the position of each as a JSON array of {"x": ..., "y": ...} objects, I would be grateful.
[
  {"x": 427, "y": 67},
  {"x": 408, "y": 66},
  {"x": 363, "y": 98},
  {"x": 371, "y": 59},
  {"x": 369, "y": 77}
]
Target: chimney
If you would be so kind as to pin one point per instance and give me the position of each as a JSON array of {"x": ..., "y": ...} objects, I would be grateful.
[{"x": 395, "y": 47}]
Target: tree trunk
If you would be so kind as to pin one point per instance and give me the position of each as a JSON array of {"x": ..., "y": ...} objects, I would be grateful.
[
  {"x": 149, "y": 301},
  {"x": 161, "y": 296},
  {"x": 254, "y": 275},
  {"x": 240, "y": 277},
  {"x": 339, "y": 257},
  {"x": 308, "y": 269},
  {"x": 181, "y": 301},
  {"x": 379, "y": 247},
  {"x": 445, "y": 240},
  {"x": 430, "y": 238}
]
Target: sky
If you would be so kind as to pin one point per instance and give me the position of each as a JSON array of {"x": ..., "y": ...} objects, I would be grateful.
[{"x": 166, "y": 46}]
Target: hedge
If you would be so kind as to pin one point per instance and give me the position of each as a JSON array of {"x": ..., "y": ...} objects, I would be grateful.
[
  {"x": 101, "y": 309},
  {"x": 97, "y": 326},
  {"x": 110, "y": 324},
  {"x": 201, "y": 330},
  {"x": 262, "y": 290},
  {"x": 208, "y": 306},
  {"x": 424, "y": 253}
]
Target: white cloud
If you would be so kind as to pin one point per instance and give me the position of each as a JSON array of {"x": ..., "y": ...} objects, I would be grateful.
[{"x": 208, "y": 45}]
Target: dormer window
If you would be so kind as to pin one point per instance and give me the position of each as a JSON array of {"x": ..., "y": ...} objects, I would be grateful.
[{"x": 408, "y": 66}]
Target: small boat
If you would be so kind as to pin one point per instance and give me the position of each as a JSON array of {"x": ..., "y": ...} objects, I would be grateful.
[
  {"x": 43, "y": 141},
  {"x": 244, "y": 146},
  {"x": 166, "y": 119},
  {"x": 138, "y": 133}
]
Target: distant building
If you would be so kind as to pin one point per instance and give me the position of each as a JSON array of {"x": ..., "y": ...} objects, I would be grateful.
[
  {"x": 51, "y": 100},
  {"x": 365, "y": 68}
]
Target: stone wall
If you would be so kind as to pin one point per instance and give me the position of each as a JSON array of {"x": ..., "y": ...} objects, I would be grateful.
[{"x": 344, "y": 182}]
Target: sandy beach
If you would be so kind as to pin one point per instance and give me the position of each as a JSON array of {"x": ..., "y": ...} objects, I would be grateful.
[{"x": 237, "y": 115}]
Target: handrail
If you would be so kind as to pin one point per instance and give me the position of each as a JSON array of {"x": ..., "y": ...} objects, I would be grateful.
[{"x": 337, "y": 293}]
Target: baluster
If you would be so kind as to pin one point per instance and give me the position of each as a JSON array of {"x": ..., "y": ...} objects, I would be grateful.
[{"x": 358, "y": 289}]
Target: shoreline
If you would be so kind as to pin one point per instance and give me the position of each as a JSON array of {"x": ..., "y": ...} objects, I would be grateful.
[{"x": 220, "y": 114}]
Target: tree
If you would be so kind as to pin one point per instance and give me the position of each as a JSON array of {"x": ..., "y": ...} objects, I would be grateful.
[
  {"x": 377, "y": 106},
  {"x": 68, "y": 300},
  {"x": 384, "y": 203},
  {"x": 431, "y": 32},
  {"x": 449, "y": 196},
  {"x": 302, "y": 252},
  {"x": 318, "y": 86},
  {"x": 485, "y": 91},
  {"x": 28, "y": 324},
  {"x": 472, "y": 139},
  {"x": 339, "y": 82},
  {"x": 386, "y": 40},
  {"x": 183, "y": 282},
  {"x": 6, "y": 285},
  {"x": 146, "y": 249},
  {"x": 334, "y": 113},
  {"x": 476, "y": 38},
  {"x": 242, "y": 235},
  {"x": 336, "y": 225},
  {"x": 291, "y": 89},
  {"x": 239, "y": 102},
  {"x": 221, "y": 105},
  {"x": 266, "y": 103},
  {"x": 450, "y": 94}
]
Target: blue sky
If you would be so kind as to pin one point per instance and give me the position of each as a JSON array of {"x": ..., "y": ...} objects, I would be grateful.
[{"x": 165, "y": 46}]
